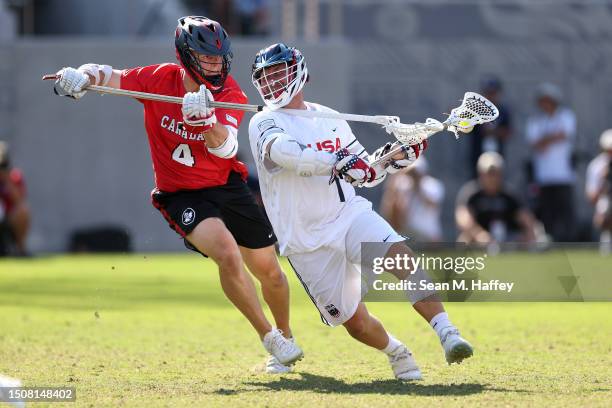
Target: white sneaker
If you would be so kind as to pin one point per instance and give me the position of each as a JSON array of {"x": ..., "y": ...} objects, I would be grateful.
[
  {"x": 456, "y": 348},
  {"x": 285, "y": 351},
  {"x": 403, "y": 364},
  {"x": 10, "y": 382},
  {"x": 273, "y": 366}
]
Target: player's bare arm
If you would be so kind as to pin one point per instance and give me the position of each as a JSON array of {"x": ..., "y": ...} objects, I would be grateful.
[
  {"x": 221, "y": 140},
  {"x": 217, "y": 134}
]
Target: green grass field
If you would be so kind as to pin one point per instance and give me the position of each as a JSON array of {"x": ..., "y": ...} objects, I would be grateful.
[{"x": 156, "y": 330}]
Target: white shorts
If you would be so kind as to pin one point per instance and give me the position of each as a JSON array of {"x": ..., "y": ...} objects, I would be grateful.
[{"x": 331, "y": 275}]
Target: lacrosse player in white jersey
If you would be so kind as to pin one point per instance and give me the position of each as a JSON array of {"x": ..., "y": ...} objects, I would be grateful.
[{"x": 320, "y": 224}]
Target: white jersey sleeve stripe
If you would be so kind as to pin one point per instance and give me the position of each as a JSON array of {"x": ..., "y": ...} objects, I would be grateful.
[{"x": 265, "y": 138}]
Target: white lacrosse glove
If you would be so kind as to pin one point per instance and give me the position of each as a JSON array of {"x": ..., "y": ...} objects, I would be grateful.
[
  {"x": 71, "y": 82},
  {"x": 197, "y": 110},
  {"x": 411, "y": 154},
  {"x": 353, "y": 168}
]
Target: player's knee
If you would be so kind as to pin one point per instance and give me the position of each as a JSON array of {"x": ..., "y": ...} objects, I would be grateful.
[
  {"x": 356, "y": 326},
  {"x": 272, "y": 275},
  {"x": 227, "y": 256},
  {"x": 229, "y": 261},
  {"x": 401, "y": 249}
]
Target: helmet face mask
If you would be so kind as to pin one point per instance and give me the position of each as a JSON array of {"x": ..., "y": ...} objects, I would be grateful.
[
  {"x": 279, "y": 73},
  {"x": 212, "y": 68},
  {"x": 274, "y": 81},
  {"x": 197, "y": 41}
]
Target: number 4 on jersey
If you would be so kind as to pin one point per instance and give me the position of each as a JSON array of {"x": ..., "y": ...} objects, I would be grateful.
[{"x": 182, "y": 154}]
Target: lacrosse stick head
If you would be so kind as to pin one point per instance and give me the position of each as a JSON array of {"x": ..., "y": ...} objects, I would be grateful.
[
  {"x": 475, "y": 109},
  {"x": 412, "y": 133}
]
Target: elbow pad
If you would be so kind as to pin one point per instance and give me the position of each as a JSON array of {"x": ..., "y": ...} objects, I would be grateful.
[
  {"x": 290, "y": 154},
  {"x": 229, "y": 147},
  {"x": 95, "y": 69}
]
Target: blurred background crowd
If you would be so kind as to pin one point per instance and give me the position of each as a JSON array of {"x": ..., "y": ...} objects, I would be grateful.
[{"x": 540, "y": 173}]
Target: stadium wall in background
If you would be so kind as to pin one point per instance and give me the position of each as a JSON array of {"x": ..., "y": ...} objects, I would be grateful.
[{"x": 408, "y": 58}]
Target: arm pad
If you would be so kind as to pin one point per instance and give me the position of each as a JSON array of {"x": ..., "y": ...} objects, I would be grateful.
[
  {"x": 290, "y": 154},
  {"x": 229, "y": 147},
  {"x": 95, "y": 69}
]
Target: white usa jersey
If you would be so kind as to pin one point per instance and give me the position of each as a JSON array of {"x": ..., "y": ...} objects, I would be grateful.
[{"x": 306, "y": 212}]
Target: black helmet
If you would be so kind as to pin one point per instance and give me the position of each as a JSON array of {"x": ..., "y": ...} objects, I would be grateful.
[{"x": 201, "y": 35}]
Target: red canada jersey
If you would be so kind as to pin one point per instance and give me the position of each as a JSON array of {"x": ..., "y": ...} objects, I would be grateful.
[{"x": 181, "y": 160}]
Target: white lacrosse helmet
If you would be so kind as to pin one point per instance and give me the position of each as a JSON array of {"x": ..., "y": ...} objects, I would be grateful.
[{"x": 279, "y": 73}]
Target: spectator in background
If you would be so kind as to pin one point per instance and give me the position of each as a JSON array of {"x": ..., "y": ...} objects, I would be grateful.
[
  {"x": 599, "y": 190},
  {"x": 492, "y": 136},
  {"x": 239, "y": 17},
  {"x": 412, "y": 203},
  {"x": 487, "y": 213},
  {"x": 252, "y": 16},
  {"x": 550, "y": 135},
  {"x": 16, "y": 217}
]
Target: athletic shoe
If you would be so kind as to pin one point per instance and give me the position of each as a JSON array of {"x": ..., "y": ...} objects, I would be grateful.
[
  {"x": 10, "y": 382},
  {"x": 273, "y": 366},
  {"x": 456, "y": 348},
  {"x": 285, "y": 350},
  {"x": 403, "y": 364}
]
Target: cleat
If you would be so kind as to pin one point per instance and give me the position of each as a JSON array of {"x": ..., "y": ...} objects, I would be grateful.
[
  {"x": 285, "y": 350},
  {"x": 273, "y": 366},
  {"x": 403, "y": 364},
  {"x": 456, "y": 348},
  {"x": 6, "y": 382}
]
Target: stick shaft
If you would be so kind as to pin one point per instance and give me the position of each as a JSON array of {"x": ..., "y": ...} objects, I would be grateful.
[
  {"x": 381, "y": 120},
  {"x": 170, "y": 99},
  {"x": 240, "y": 106},
  {"x": 398, "y": 149},
  {"x": 378, "y": 119}
]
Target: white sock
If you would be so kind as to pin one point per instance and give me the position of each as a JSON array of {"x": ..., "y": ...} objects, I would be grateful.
[
  {"x": 393, "y": 344},
  {"x": 439, "y": 322}
]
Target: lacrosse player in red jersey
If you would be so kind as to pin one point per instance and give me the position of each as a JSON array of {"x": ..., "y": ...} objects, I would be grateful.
[
  {"x": 295, "y": 157},
  {"x": 200, "y": 185}
]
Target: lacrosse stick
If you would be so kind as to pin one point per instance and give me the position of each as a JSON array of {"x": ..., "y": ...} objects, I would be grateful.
[
  {"x": 475, "y": 109},
  {"x": 378, "y": 119}
]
